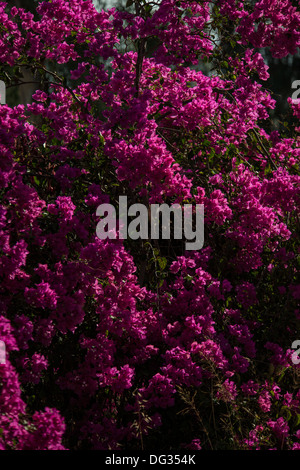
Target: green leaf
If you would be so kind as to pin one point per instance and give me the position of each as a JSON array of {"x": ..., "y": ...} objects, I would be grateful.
[
  {"x": 191, "y": 84},
  {"x": 287, "y": 412},
  {"x": 162, "y": 263}
]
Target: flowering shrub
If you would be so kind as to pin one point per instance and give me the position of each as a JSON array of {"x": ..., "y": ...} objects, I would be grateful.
[{"x": 123, "y": 344}]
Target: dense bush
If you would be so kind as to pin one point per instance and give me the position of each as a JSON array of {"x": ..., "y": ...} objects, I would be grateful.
[{"x": 139, "y": 344}]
